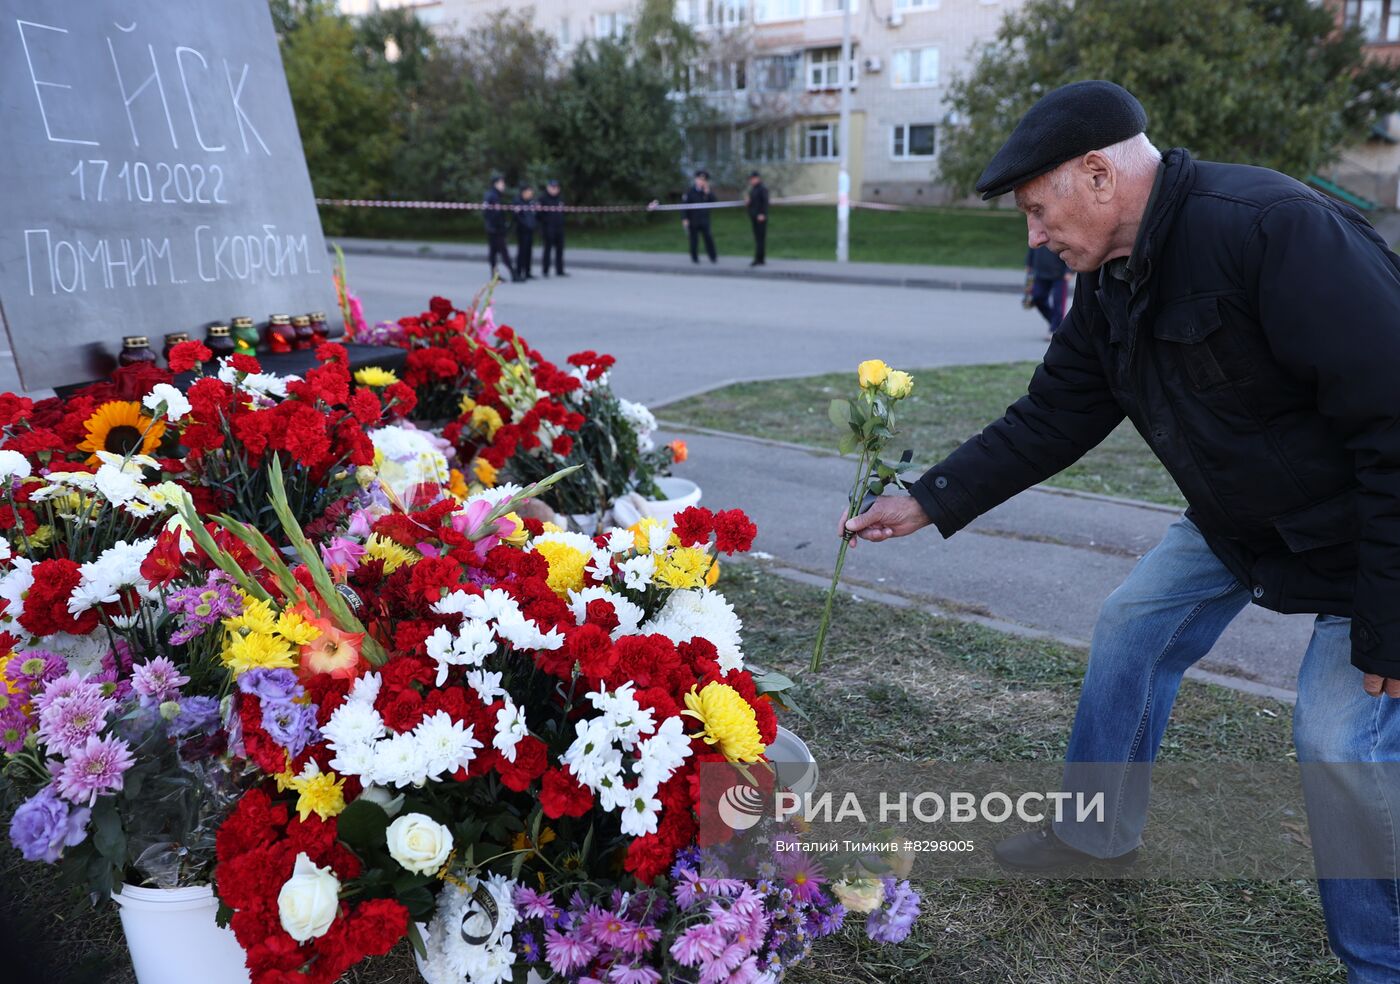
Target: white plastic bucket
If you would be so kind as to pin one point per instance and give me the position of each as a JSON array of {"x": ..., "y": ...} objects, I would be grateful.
[
  {"x": 796, "y": 767},
  {"x": 174, "y": 939},
  {"x": 680, "y": 493}
]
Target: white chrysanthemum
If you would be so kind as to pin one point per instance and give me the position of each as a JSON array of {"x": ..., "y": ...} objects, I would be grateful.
[
  {"x": 641, "y": 419},
  {"x": 14, "y": 465},
  {"x": 14, "y": 585},
  {"x": 399, "y": 761},
  {"x": 703, "y": 614},
  {"x": 637, "y": 572},
  {"x": 468, "y": 646},
  {"x": 510, "y": 728},
  {"x": 522, "y": 633},
  {"x": 176, "y": 406},
  {"x": 627, "y": 720},
  {"x": 263, "y": 384},
  {"x": 410, "y": 457},
  {"x": 495, "y": 495},
  {"x": 641, "y": 811},
  {"x": 83, "y": 654},
  {"x": 447, "y": 745},
  {"x": 354, "y": 760},
  {"x": 621, "y": 541},
  {"x": 592, "y": 756},
  {"x": 365, "y": 690},
  {"x": 629, "y": 615},
  {"x": 450, "y": 958},
  {"x": 664, "y": 752},
  {"x": 486, "y": 684},
  {"x": 353, "y": 723},
  {"x": 577, "y": 541},
  {"x": 118, "y": 567}
]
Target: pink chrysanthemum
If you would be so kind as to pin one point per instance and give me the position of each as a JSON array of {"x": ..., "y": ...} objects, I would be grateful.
[{"x": 95, "y": 768}]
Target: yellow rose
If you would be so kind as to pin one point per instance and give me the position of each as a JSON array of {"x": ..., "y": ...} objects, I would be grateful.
[
  {"x": 897, "y": 385},
  {"x": 872, "y": 373}
]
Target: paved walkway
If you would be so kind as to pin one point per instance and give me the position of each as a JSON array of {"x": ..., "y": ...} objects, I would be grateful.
[{"x": 813, "y": 271}]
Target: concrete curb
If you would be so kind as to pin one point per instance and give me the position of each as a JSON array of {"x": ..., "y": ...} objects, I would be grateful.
[
  {"x": 952, "y": 611},
  {"x": 466, "y": 253}
]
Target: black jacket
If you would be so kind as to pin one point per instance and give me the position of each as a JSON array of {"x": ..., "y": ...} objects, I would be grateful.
[
  {"x": 1045, "y": 265},
  {"x": 1258, "y": 354},
  {"x": 525, "y": 215},
  {"x": 699, "y": 217},
  {"x": 551, "y": 222},
  {"x": 758, "y": 201},
  {"x": 497, "y": 220}
]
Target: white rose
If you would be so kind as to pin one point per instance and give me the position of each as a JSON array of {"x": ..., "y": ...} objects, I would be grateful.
[
  {"x": 419, "y": 844},
  {"x": 308, "y": 901},
  {"x": 176, "y": 405}
]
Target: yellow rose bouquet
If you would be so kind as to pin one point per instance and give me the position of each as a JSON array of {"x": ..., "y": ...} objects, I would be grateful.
[{"x": 867, "y": 423}]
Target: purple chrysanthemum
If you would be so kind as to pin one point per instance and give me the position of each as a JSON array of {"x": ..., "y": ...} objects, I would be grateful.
[
  {"x": 202, "y": 606},
  {"x": 567, "y": 952},
  {"x": 94, "y": 769},
  {"x": 44, "y": 825},
  {"x": 69, "y": 722},
  {"x": 157, "y": 680},
  {"x": 620, "y": 974},
  {"x": 532, "y": 904},
  {"x": 804, "y": 876},
  {"x": 14, "y": 728}
]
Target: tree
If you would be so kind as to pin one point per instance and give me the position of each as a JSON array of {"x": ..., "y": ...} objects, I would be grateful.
[
  {"x": 398, "y": 42},
  {"x": 613, "y": 131},
  {"x": 346, "y": 113},
  {"x": 1268, "y": 82}
]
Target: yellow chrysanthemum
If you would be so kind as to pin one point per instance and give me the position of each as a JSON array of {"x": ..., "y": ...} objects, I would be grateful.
[
  {"x": 641, "y": 533},
  {"x": 485, "y": 472},
  {"x": 487, "y": 419},
  {"x": 41, "y": 538},
  {"x": 123, "y": 428},
  {"x": 712, "y": 577},
  {"x": 728, "y": 722},
  {"x": 457, "y": 485},
  {"x": 684, "y": 568},
  {"x": 375, "y": 376},
  {"x": 467, "y": 405},
  {"x": 285, "y": 779},
  {"x": 258, "y": 618},
  {"x": 393, "y": 554},
  {"x": 321, "y": 794},
  {"x": 257, "y": 650},
  {"x": 294, "y": 627},
  {"x": 566, "y": 566}
]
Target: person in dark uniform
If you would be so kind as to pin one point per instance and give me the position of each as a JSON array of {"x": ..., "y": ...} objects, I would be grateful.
[
  {"x": 552, "y": 226},
  {"x": 1247, "y": 327},
  {"x": 758, "y": 216},
  {"x": 525, "y": 220},
  {"x": 1047, "y": 283},
  {"x": 697, "y": 220},
  {"x": 497, "y": 222}
]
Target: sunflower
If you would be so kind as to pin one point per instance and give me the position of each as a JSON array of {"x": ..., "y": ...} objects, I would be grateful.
[{"x": 121, "y": 428}]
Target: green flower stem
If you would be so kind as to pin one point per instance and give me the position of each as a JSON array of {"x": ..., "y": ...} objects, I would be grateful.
[{"x": 863, "y": 472}]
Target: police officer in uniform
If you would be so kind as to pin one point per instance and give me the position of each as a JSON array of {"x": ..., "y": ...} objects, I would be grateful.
[
  {"x": 525, "y": 220},
  {"x": 758, "y": 216},
  {"x": 497, "y": 221},
  {"x": 552, "y": 226},
  {"x": 697, "y": 220}
]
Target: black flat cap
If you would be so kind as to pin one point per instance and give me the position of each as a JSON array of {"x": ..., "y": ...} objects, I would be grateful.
[{"x": 1066, "y": 123}]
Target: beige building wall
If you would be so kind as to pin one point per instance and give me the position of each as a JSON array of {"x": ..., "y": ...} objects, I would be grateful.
[{"x": 905, "y": 54}]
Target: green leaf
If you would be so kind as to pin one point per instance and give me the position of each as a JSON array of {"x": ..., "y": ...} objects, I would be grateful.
[
  {"x": 416, "y": 939},
  {"x": 362, "y": 824},
  {"x": 848, "y": 443},
  {"x": 108, "y": 836},
  {"x": 840, "y": 412}
]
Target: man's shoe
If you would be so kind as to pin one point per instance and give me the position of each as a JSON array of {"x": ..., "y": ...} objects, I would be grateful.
[
  {"x": 757, "y": 263},
  {"x": 1041, "y": 850},
  {"x": 562, "y": 273}
]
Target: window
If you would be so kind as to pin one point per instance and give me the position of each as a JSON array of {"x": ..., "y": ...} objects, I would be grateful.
[
  {"x": 717, "y": 76},
  {"x": 768, "y": 11},
  {"x": 613, "y": 25},
  {"x": 776, "y": 73},
  {"x": 818, "y": 7},
  {"x": 564, "y": 33},
  {"x": 914, "y": 67},
  {"x": 819, "y": 142},
  {"x": 1379, "y": 20},
  {"x": 915, "y": 4},
  {"x": 766, "y": 144},
  {"x": 912, "y": 142},
  {"x": 711, "y": 13},
  {"x": 824, "y": 68}
]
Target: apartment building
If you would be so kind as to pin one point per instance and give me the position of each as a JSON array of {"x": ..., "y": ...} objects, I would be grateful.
[
  {"x": 1371, "y": 169},
  {"x": 772, "y": 79}
]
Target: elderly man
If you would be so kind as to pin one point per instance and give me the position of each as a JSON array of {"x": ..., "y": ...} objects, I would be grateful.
[{"x": 1250, "y": 330}]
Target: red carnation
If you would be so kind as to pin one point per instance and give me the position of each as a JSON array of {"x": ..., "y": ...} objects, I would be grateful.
[
  {"x": 46, "y": 604},
  {"x": 245, "y": 363},
  {"x": 694, "y": 525},
  {"x": 562, "y": 795},
  {"x": 531, "y": 759},
  {"x": 14, "y": 408},
  {"x": 185, "y": 356},
  {"x": 734, "y": 532},
  {"x": 562, "y": 445}
]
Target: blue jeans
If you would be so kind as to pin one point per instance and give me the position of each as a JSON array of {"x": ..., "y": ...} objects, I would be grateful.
[{"x": 1162, "y": 619}]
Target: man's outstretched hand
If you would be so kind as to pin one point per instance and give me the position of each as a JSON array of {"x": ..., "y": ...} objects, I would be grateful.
[
  {"x": 890, "y": 516},
  {"x": 1376, "y": 685}
]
